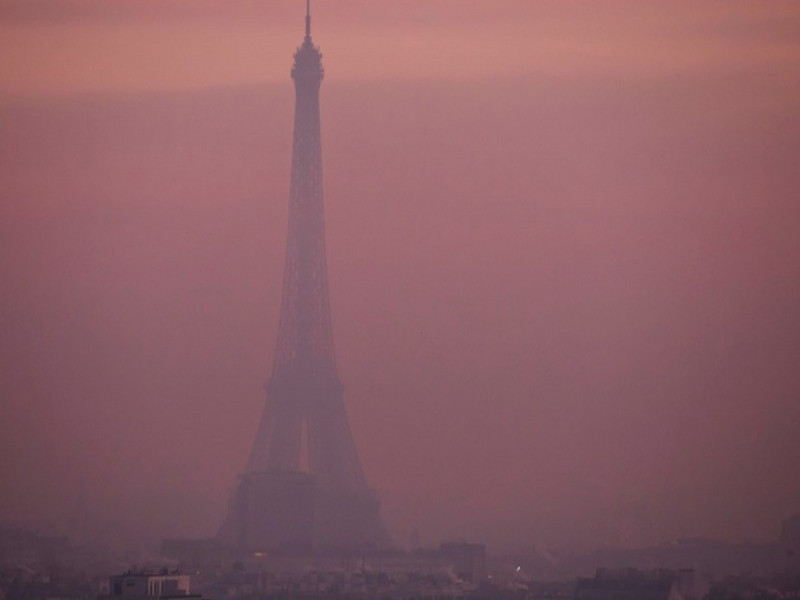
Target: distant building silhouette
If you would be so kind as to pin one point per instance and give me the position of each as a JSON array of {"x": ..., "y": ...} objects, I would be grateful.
[
  {"x": 468, "y": 560},
  {"x": 278, "y": 504},
  {"x": 634, "y": 584},
  {"x": 790, "y": 533},
  {"x": 790, "y": 544},
  {"x": 143, "y": 585}
]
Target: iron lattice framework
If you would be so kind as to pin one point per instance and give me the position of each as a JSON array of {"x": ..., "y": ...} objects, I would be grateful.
[
  {"x": 304, "y": 390},
  {"x": 276, "y": 503}
]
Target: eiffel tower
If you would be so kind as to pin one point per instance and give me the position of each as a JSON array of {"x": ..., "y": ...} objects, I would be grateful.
[{"x": 279, "y": 504}]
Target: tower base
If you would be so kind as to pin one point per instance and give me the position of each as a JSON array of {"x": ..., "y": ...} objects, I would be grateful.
[{"x": 287, "y": 511}]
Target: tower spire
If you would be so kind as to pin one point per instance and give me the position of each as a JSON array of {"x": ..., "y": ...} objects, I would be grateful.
[{"x": 308, "y": 20}]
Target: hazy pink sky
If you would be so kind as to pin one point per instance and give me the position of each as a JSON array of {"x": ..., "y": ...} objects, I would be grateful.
[
  {"x": 563, "y": 245},
  {"x": 69, "y": 46}
]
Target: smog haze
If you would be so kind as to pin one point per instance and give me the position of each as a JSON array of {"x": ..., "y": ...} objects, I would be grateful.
[{"x": 563, "y": 247}]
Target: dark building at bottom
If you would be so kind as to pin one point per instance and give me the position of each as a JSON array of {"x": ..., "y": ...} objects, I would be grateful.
[{"x": 634, "y": 584}]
